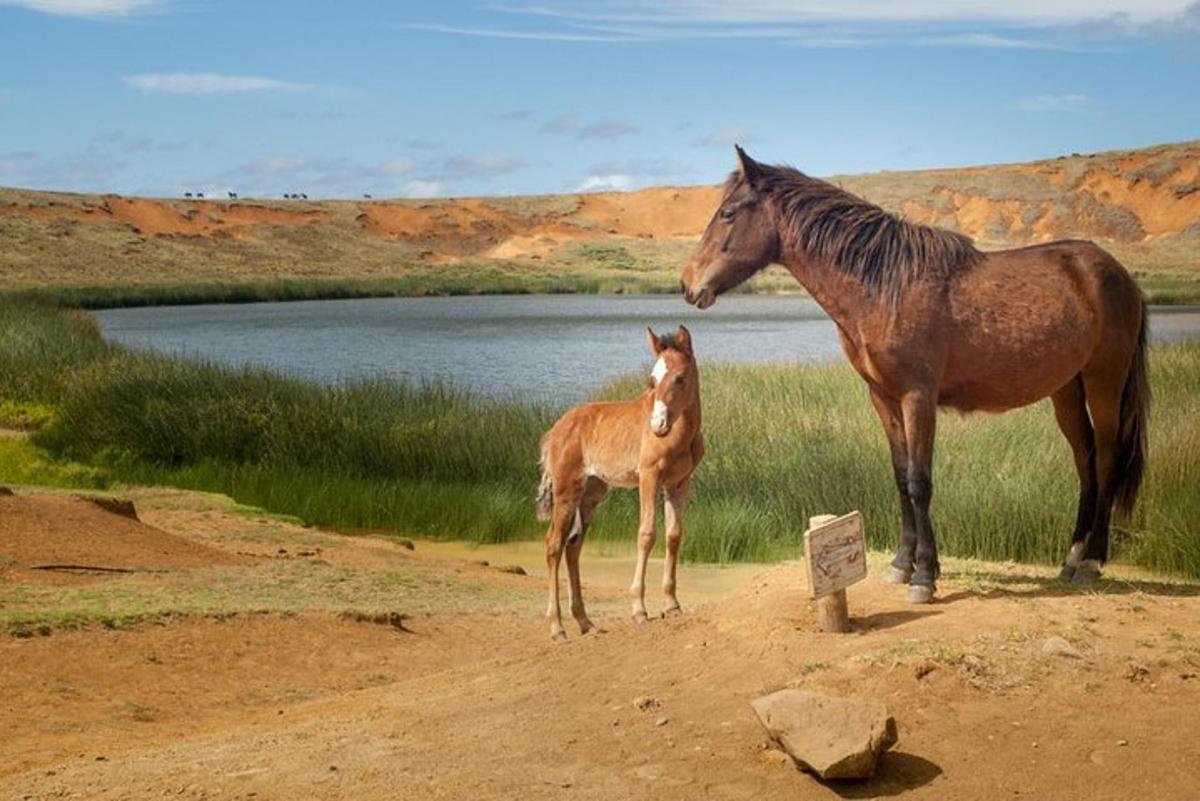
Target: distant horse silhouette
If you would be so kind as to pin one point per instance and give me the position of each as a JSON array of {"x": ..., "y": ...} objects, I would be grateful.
[
  {"x": 652, "y": 442},
  {"x": 200, "y": 194},
  {"x": 232, "y": 195},
  {"x": 927, "y": 319},
  {"x": 187, "y": 194}
]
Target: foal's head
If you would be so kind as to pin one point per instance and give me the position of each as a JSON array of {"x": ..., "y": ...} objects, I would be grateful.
[
  {"x": 740, "y": 240},
  {"x": 674, "y": 379}
]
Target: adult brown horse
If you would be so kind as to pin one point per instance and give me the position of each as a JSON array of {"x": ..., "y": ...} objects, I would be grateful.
[{"x": 927, "y": 319}]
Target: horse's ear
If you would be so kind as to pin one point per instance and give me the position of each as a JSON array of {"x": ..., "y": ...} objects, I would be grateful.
[
  {"x": 652, "y": 338},
  {"x": 750, "y": 169},
  {"x": 683, "y": 338}
]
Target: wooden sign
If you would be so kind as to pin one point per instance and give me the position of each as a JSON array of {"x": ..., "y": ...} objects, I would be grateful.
[{"x": 836, "y": 551}]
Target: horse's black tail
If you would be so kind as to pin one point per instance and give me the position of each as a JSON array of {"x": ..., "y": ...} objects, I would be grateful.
[
  {"x": 545, "y": 493},
  {"x": 1129, "y": 463}
]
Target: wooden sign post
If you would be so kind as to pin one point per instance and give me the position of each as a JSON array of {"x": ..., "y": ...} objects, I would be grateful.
[{"x": 836, "y": 552}]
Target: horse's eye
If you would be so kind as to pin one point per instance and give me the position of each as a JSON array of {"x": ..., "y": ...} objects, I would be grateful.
[{"x": 728, "y": 214}]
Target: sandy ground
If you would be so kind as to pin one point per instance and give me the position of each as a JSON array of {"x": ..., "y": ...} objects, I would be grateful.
[{"x": 470, "y": 699}]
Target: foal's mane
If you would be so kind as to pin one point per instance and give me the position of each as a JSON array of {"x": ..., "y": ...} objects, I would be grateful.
[{"x": 883, "y": 251}]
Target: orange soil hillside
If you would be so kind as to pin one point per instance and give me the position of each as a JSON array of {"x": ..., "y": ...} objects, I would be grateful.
[{"x": 1144, "y": 204}]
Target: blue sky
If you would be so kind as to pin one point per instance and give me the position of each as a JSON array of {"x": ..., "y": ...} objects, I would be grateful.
[{"x": 159, "y": 97}]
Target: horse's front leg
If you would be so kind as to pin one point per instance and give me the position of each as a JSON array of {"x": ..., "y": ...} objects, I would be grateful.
[
  {"x": 673, "y": 522},
  {"x": 648, "y": 489},
  {"x": 901, "y": 568},
  {"x": 920, "y": 417}
]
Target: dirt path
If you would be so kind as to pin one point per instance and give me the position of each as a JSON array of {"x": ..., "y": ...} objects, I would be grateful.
[{"x": 481, "y": 705}]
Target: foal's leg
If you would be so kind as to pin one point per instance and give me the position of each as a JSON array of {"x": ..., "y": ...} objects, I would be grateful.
[
  {"x": 920, "y": 420},
  {"x": 1070, "y": 410},
  {"x": 593, "y": 493},
  {"x": 1103, "y": 394},
  {"x": 561, "y": 522},
  {"x": 901, "y": 569},
  {"x": 648, "y": 492},
  {"x": 673, "y": 522}
]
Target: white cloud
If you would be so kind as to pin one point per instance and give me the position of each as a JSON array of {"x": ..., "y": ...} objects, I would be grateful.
[
  {"x": 1035, "y": 12},
  {"x": 88, "y": 8},
  {"x": 422, "y": 189},
  {"x": 616, "y": 182},
  {"x": 209, "y": 83},
  {"x": 607, "y": 129},
  {"x": 1063, "y": 102}
]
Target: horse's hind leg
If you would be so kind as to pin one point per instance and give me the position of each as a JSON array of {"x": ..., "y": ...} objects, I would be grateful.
[
  {"x": 1103, "y": 392},
  {"x": 1070, "y": 410},
  {"x": 561, "y": 522},
  {"x": 593, "y": 493},
  {"x": 673, "y": 523},
  {"x": 901, "y": 568}
]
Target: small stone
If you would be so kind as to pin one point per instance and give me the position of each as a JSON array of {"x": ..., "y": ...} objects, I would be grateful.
[
  {"x": 516, "y": 570},
  {"x": 923, "y": 669},
  {"x": 836, "y": 738},
  {"x": 1122, "y": 743},
  {"x": 1057, "y": 646},
  {"x": 645, "y": 703},
  {"x": 406, "y": 543},
  {"x": 663, "y": 721},
  {"x": 774, "y": 756}
]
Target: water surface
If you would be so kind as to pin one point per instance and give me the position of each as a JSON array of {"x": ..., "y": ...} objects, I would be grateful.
[{"x": 555, "y": 348}]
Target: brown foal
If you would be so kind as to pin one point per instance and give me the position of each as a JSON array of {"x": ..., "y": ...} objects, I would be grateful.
[
  {"x": 652, "y": 443},
  {"x": 928, "y": 320}
]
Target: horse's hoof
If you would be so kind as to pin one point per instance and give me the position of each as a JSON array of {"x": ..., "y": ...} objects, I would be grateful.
[
  {"x": 672, "y": 611},
  {"x": 585, "y": 626},
  {"x": 1088, "y": 572},
  {"x": 920, "y": 593},
  {"x": 640, "y": 617},
  {"x": 1067, "y": 573},
  {"x": 894, "y": 575},
  {"x": 559, "y": 636}
]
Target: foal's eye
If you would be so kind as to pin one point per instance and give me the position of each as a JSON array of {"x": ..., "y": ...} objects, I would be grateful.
[{"x": 679, "y": 379}]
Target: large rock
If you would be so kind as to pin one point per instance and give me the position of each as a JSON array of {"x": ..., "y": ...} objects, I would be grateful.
[{"x": 836, "y": 738}]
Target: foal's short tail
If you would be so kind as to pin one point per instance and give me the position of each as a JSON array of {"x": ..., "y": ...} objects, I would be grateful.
[
  {"x": 1130, "y": 458},
  {"x": 545, "y": 493}
]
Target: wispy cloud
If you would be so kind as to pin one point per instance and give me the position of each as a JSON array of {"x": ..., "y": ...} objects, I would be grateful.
[
  {"x": 725, "y": 137},
  {"x": 210, "y": 83},
  {"x": 285, "y": 173},
  {"x": 607, "y": 129},
  {"x": 563, "y": 123},
  {"x": 1051, "y": 102},
  {"x": 89, "y": 8},
  {"x": 545, "y": 36},
  {"x": 423, "y": 143},
  {"x": 632, "y": 174},
  {"x": 482, "y": 164}
]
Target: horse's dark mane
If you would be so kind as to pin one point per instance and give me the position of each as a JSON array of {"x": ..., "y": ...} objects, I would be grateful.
[
  {"x": 668, "y": 342},
  {"x": 885, "y": 252}
]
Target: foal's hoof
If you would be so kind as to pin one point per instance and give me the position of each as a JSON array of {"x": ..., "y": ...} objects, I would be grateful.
[
  {"x": 672, "y": 611},
  {"x": 920, "y": 593},
  {"x": 585, "y": 626},
  {"x": 1088, "y": 572},
  {"x": 559, "y": 636},
  {"x": 1067, "y": 573},
  {"x": 894, "y": 575},
  {"x": 640, "y": 617}
]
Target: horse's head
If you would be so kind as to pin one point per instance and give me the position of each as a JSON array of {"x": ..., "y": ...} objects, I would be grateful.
[
  {"x": 675, "y": 383},
  {"x": 740, "y": 239}
]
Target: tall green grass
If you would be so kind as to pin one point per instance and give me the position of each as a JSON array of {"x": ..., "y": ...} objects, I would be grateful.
[{"x": 784, "y": 442}]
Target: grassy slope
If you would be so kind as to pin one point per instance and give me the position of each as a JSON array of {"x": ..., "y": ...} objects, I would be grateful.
[
  {"x": 92, "y": 250},
  {"x": 443, "y": 464}
]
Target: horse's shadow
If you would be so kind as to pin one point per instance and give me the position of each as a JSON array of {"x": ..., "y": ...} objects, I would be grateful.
[
  {"x": 898, "y": 772},
  {"x": 991, "y": 584}
]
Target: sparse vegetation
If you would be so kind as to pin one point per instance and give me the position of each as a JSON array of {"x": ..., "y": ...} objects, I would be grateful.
[{"x": 441, "y": 463}]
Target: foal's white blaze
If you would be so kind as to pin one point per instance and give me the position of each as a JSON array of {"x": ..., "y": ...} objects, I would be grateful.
[
  {"x": 660, "y": 370},
  {"x": 658, "y": 418}
]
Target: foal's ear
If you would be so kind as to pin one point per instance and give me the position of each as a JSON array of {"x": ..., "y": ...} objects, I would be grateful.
[
  {"x": 652, "y": 338},
  {"x": 683, "y": 338},
  {"x": 751, "y": 170}
]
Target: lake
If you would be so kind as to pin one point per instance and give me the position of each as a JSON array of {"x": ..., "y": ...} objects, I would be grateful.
[{"x": 556, "y": 348}]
